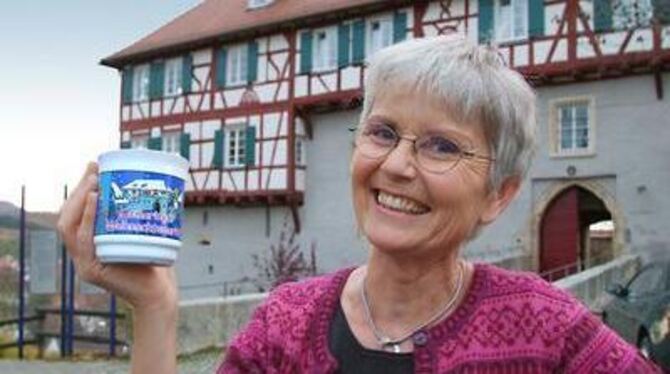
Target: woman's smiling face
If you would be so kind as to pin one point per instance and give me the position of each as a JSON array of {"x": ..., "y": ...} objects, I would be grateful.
[{"x": 401, "y": 207}]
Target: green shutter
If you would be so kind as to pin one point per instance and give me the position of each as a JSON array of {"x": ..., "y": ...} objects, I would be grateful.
[
  {"x": 252, "y": 62},
  {"x": 399, "y": 27},
  {"x": 186, "y": 73},
  {"x": 156, "y": 79},
  {"x": 221, "y": 68},
  {"x": 250, "y": 146},
  {"x": 536, "y": 17},
  {"x": 185, "y": 146},
  {"x": 155, "y": 143},
  {"x": 359, "y": 42},
  {"x": 661, "y": 11},
  {"x": 217, "y": 160},
  {"x": 306, "y": 52},
  {"x": 485, "y": 21},
  {"x": 602, "y": 15},
  {"x": 125, "y": 145},
  {"x": 343, "y": 43},
  {"x": 127, "y": 85}
]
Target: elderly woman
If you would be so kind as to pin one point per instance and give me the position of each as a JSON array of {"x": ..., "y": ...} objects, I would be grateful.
[{"x": 445, "y": 138}]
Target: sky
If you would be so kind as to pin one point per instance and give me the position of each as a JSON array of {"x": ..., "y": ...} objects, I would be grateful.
[{"x": 59, "y": 108}]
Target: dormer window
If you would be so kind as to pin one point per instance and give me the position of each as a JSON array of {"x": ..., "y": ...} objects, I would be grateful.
[{"x": 255, "y": 4}]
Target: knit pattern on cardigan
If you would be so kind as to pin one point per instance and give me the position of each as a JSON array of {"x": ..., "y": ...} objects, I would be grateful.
[{"x": 509, "y": 322}]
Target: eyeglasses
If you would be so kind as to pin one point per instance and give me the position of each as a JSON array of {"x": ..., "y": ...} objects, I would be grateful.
[{"x": 433, "y": 153}]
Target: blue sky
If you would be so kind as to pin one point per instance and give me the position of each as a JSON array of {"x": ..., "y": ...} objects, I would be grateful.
[{"x": 58, "y": 107}]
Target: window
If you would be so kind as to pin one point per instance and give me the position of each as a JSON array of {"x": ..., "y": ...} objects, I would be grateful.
[
  {"x": 141, "y": 141},
  {"x": 141, "y": 83},
  {"x": 511, "y": 19},
  {"x": 629, "y": 14},
  {"x": 171, "y": 142},
  {"x": 325, "y": 49},
  {"x": 300, "y": 152},
  {"x": 236, "y": 72},
  {"x": 173, "y": 77},
  {"x": 573, "y": 127},
  {"x": 235, "y": 152},
  {"x": 379, "y": 35}
]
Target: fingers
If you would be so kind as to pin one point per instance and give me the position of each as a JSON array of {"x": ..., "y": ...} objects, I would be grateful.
[
  {"x": 73, "y": 208},
  {"x": 85, "y": 247}
]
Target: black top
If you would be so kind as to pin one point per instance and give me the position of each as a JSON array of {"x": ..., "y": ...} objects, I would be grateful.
[{"x": 352, "y": 357}]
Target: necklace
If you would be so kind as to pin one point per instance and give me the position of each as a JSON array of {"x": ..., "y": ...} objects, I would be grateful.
[{"x": 393, "y": 345}]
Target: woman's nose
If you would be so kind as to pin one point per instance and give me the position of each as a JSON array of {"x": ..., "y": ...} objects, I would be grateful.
[{"x": 401, "y": 161}]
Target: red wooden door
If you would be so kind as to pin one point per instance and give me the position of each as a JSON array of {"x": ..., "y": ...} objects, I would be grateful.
[{"x": 559, "y": 236}]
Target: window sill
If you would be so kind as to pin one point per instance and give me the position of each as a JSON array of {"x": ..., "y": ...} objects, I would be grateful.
[
  {"x": 573, "y": 154},
  {"x": 324, "y": 70}
]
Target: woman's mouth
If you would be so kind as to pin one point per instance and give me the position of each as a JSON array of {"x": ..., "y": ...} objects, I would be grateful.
[{"x": 400, "y": 203}]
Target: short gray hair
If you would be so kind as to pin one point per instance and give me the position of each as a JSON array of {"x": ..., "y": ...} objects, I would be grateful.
[{"x": 475, "y": 82}]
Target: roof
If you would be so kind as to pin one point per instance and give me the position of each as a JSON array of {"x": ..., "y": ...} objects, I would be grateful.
[{"x": 214, "y": 20}]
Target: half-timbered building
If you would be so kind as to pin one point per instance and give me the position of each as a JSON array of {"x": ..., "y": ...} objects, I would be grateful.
[{"x": 259, "y": 96}]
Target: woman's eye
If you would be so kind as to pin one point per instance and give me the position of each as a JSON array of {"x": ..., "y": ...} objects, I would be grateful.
[
  {"x": 382, "y": 132},
  {"x": 441, "y": 146}
]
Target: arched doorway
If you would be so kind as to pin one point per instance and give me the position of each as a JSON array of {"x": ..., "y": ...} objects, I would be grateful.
[{"x": 576, "y": 232}]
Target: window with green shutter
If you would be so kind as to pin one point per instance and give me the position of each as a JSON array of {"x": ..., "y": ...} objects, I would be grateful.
[
  {"x": 250, "y": 146},
  {"x": 125, "y": 145},
  {"x": 155, "y": 143},
  {"x": 221, "y": 61},
  {"x": 186, "y": 73},
  {"x": 252, "y": 62},
  {"x": 602, "y": 15},
  {"x": 127, "y": 85},
  {"x": 358, "y": 44},
  {"x": 343, "y": 44},
  {"x": 305, "y": 52},
  {"x": 399, "y": 26},
  {"x": 485, "y": 21},
  {"x": 156, "y": 80},
  {"x": 185, "y": 146},
  {"x": 661, "y": 11},
  {"x": 536, "y": 17},
  {"x": 217, "y": 159}
]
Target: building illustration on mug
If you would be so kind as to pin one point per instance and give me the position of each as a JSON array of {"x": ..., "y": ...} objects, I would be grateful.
[{"x": 146, "y": 198}]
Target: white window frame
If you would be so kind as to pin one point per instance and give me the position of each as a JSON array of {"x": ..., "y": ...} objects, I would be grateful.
[
  {"x": 517, "y": 21},
  {"x": 324, "y": 53},
  {"x": 384, "y": 38},
  {"x": 556, "y": 137},
  {"x": 173, "y": 77},
  {"x": 234, "y": 149},
  {"x": 236, "y": 65},
  {"x": 623, "y": 20},
  {"x": 139, "y": 141},
  {"x": 141, "y": 82},
  {"x": 171, "y": 142}
]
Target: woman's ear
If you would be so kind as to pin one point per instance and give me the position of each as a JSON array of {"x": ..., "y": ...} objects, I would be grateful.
[{"x": 500, "y": 199}]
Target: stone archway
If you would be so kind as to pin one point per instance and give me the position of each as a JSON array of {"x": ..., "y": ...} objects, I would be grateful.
[{"x": 589, "y": 200}]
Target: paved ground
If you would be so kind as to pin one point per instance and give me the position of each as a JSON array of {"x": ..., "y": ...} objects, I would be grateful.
[{"x": 204, "y": 363}]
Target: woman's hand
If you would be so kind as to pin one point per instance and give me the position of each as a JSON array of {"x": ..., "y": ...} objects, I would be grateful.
[{"x": 150, "y": 290}]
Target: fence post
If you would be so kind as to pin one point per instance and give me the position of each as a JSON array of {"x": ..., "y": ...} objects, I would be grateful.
[
  {"x": 70, "y": 309},
  {"x": 63, "y": 292},
  {"x": 22, "y": 270},
  {"x": 112, "y": 326}
]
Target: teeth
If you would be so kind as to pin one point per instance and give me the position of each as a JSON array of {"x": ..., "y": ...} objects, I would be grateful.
[{"x": 400, "y": 204}]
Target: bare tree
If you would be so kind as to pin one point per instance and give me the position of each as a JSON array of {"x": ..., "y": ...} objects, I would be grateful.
[{"x": 285, "y": 261}]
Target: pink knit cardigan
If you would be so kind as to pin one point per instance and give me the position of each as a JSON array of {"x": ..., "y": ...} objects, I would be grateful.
[{"x": 510, "y": 322}]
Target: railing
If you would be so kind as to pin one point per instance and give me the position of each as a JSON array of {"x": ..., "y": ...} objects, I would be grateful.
[
  {"x": 39, "y": 335},
  {"x": 574, "y": 267}
]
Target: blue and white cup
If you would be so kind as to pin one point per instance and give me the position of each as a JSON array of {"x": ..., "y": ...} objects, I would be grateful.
[{"x": 140, "y": 207}]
